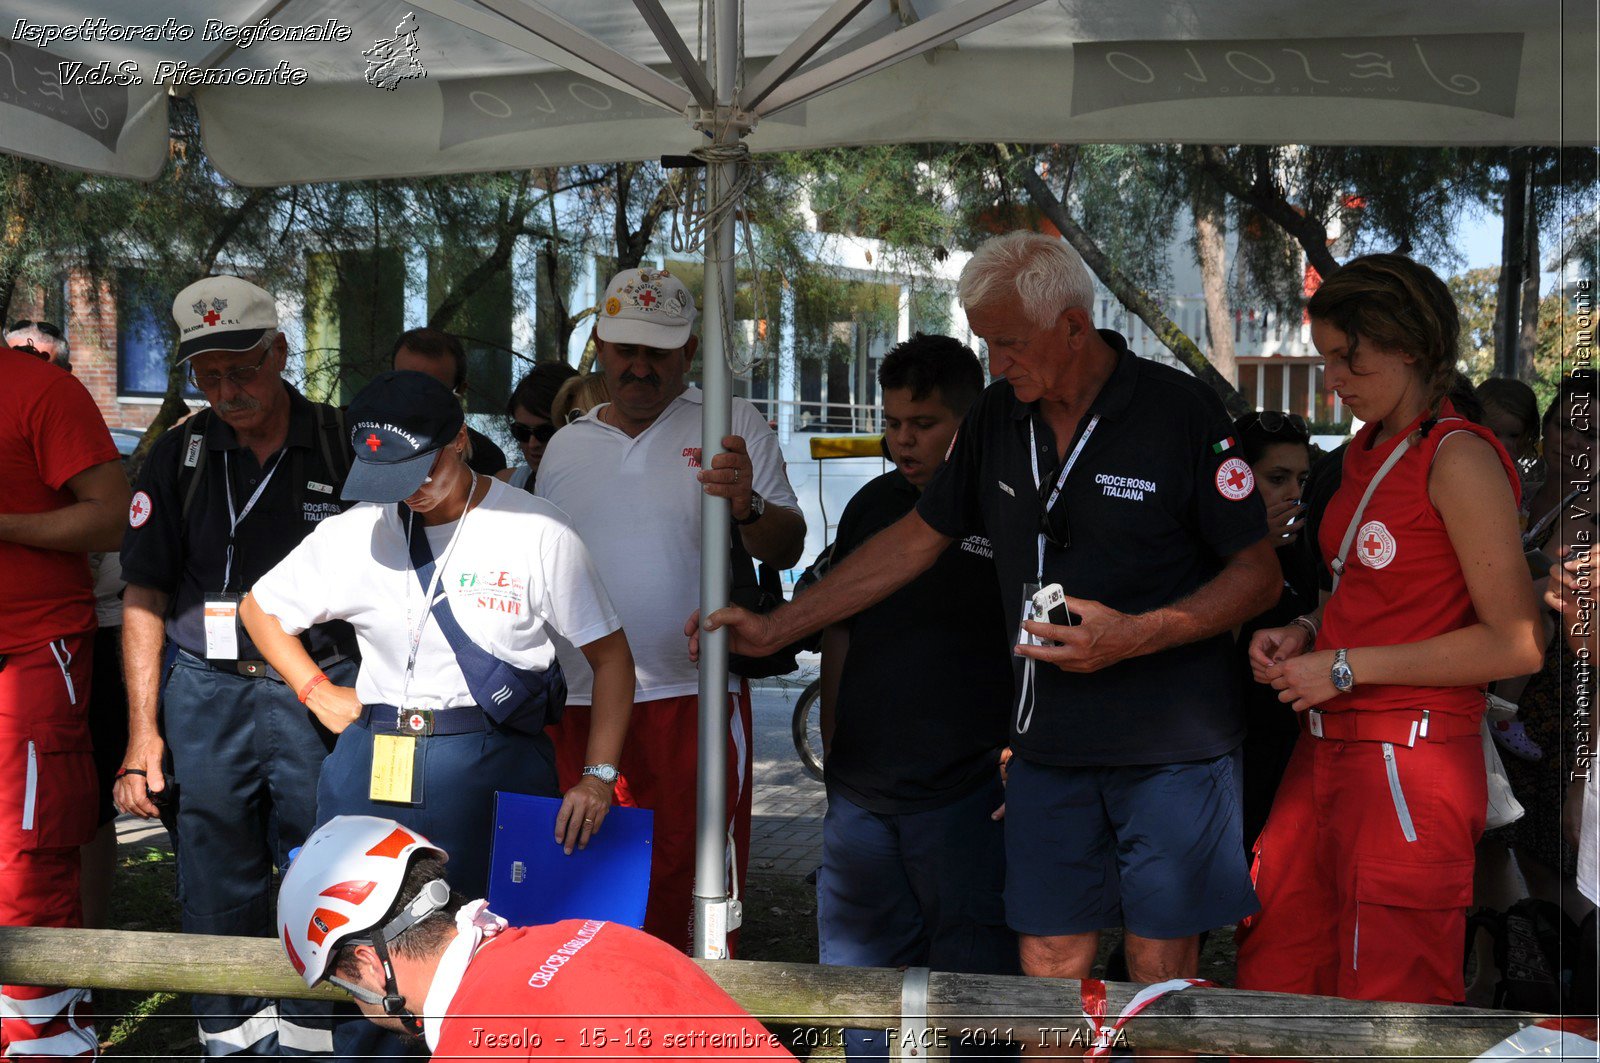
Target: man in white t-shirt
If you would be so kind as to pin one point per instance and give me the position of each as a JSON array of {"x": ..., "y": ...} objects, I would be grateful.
[{"x": 629, "y": 476}]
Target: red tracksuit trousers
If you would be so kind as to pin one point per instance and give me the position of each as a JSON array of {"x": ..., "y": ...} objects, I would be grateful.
[
  {"x": 48, "y": 799},
  {"x": 1364, "y": 871},
  {"x": 659, "y": 768}
]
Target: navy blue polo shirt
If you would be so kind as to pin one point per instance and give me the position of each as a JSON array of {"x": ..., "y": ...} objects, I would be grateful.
[
  {"x": 185, "y": 558},
  {"x": 926, "y": 687},
  {"x": 1157, "y": 501}
]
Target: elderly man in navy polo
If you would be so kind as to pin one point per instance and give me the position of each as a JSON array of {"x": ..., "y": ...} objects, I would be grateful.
[{"x": 1116, "y": 478}]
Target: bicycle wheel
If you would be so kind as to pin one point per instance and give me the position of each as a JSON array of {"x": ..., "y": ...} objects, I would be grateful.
[{"x": 806, "y": 727}]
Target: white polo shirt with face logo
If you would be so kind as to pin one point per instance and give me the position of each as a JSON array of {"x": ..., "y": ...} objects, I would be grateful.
[
  {"x": 516, "y": 577},
  {"x": 635, "y": 500}
]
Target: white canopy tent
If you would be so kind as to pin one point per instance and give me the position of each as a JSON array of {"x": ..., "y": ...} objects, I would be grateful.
[{"x": 506, "y": 84}]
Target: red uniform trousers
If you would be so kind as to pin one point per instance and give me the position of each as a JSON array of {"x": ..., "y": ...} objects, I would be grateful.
[
  {"x": 659, "y": 768},
  {"x": 48, "y": 796},
  {"x": 1364, "y": 870}
]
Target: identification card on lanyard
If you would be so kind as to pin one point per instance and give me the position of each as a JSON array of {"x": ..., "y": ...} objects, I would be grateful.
[
  {"x": 222, "y": 626},
  {"x": 394, "y": 775}
]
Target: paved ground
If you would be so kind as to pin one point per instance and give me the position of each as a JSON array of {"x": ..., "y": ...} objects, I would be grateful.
[{"x": 786, "y": 826}]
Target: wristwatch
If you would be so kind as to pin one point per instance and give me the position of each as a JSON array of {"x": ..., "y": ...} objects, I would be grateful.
[
  {"x": 606, "y": 773},
  {"x": 758, "y": 507},
  {"x": 1343, "y": 678}
]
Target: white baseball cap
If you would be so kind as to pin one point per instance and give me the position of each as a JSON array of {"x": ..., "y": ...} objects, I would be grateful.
[
  {"x": 648, "y": 307},
  {"x": 222, "y": 314}
]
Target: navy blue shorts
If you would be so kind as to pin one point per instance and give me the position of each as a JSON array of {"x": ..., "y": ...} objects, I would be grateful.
[{"x": 1155, "y": 848}]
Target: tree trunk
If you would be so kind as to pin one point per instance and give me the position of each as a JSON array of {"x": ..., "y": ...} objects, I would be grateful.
[
  {"x": 1528, "y": 334},
  {"x": 1308, "y": 231},
  {"x": 1127, "y": 293},
  {"x": 1211, "y": 247},
  {"x": 20, "y": 204},
  {"x": 1513, "y": 259},
  {"x": 513, "y": 214}
]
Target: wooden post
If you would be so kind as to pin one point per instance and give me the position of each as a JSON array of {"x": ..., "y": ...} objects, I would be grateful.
[{"x": 1205, "y": 1021}]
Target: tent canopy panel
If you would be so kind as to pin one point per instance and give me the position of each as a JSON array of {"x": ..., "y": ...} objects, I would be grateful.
[{"x": 494, "y": 97}]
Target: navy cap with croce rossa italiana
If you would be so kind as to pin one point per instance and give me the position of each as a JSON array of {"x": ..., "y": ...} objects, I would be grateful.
[{"x": 397, "y": 425}]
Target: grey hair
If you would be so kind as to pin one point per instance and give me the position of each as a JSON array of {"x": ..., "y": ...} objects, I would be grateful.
[
  {"x": 57, "y": 349},
  {"x": 1043, "y": 272}
]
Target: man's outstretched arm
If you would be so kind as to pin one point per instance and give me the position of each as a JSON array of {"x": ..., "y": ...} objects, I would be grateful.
[{"x": 872, "y": 572}]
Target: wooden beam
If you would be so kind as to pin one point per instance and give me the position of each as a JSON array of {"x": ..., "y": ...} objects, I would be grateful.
[{"x": 1206, "y": 1021}]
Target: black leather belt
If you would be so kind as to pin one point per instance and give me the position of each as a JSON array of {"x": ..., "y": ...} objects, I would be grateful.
[{"x": 387, "y": 719}]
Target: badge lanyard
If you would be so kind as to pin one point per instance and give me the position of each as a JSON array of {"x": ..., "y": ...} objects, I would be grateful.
[
  {"x": 433, "y": 589},
  {"x": 236, "y": 519},
  {"x": 1026, "y": 700}
]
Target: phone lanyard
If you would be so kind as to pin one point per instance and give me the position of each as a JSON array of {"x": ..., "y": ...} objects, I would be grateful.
[
  {"x": 1026, "y": 698},
  {"x": 236, "y": 519},
  {"x": 415, "y": 633},
  {"x": 1061, "y": 481}
]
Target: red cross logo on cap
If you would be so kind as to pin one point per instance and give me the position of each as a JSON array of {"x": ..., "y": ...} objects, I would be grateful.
[
  {"x": 647, "y": 298},
  {"x": 211, "y": 317},
  {"x": 373, "y": 442}
]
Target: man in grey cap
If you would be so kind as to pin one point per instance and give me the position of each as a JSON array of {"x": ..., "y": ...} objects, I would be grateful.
[{"x": 221, "y": 500}]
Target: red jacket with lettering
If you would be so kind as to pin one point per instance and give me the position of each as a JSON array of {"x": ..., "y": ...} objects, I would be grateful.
[
  {"x": 1402, "y": 582},
  {"x": 585, "y": 989}
]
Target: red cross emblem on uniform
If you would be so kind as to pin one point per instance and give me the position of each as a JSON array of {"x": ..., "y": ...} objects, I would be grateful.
[
  {"x": 647, "y": 298},
  {"x": 211, "y": 317},
  {"x": 1372, "y": 545},
  {"x": 1236, "y": 479},
  {"x": 139, "y": 510},
  {"x": 373, "y": 442}
]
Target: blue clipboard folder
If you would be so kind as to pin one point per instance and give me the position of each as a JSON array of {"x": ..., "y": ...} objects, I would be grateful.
[{"x": 532, "y": 881}]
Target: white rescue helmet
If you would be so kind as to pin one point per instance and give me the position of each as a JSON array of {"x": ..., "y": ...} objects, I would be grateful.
[{"x": 345, "y": 878}]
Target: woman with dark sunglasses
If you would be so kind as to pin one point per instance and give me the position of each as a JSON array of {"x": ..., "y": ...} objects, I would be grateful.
[{"x": 529, "y": 412}]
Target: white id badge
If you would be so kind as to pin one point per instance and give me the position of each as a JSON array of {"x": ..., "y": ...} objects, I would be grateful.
[
  {"x": 1024, "y": 636},
  {"x": 222, "y": 627}
]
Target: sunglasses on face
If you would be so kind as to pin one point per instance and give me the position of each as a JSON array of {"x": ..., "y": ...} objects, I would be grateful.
[
  {"x": 53, "y": 331},
  {"x": 239, "y": 376},
  {"x": 524, "y": 432}
]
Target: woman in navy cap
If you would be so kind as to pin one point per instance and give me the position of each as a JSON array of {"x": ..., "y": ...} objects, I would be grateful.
[{"x": 456, "y": 585}]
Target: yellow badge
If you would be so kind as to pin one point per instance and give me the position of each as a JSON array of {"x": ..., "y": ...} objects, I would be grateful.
[
  {"x": 613, "y": 305},
  {"x": 393, "y": 757}
]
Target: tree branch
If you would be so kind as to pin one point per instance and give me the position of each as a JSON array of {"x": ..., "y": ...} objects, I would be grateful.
[
  {"x": 1264, "y": 196},
  {"x": 1127, "y": 293}
]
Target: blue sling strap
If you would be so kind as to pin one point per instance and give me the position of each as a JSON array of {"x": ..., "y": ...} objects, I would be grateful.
[{"x": 513, "y": 697}]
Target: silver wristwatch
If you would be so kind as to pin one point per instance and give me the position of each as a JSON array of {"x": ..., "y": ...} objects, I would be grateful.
[
  {"x": 606, "y": 773},
  {"x": 1343, "y": 678}
]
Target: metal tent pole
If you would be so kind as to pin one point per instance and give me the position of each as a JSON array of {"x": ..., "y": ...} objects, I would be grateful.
[{"x": 714, "y": 916}]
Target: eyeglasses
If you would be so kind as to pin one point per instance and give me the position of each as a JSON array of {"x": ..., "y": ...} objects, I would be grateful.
[
  {"x": 1273, "y": 423},
  {"x": 53, "y": 331},
  {"x": 239, "y": 375},
  {"x": 523, "y": 432},
  {"x": 1053, "y": 523}
]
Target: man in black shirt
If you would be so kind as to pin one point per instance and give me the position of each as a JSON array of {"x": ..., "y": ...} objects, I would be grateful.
[
  {"x": 221, "y": 500},
  {"x": 913, "y": 862},
  {"x": 1117, "y": 478},
  {"x": 441, "y": 356}
]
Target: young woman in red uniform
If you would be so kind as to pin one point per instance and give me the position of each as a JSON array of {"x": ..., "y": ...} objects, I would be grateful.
[{"x": 1364, "y": 868}]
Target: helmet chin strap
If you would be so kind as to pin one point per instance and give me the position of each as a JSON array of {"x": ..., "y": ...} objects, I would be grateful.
[{"x": 434, "y": 896}]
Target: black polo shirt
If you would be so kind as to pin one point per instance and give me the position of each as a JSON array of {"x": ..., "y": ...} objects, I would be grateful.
[
  {"x": 1150, "y": 519},
  {"x": 185, "y": 558},
  {"x": 926, "y": 687}
]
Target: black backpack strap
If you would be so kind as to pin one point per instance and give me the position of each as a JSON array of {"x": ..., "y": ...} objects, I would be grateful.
[
  {"x": 334, "y": 440},
  {"x": 192, "y": 459}
]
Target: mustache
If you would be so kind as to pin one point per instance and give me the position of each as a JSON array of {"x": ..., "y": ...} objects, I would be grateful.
[
  {"x": 628, "y": 378},
  {"x": 239, "y": 405}
]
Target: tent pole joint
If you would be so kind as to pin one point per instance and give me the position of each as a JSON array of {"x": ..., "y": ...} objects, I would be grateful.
[{"x": 709, "y": 120}]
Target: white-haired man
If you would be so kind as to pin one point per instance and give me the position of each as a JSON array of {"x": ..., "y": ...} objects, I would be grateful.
[
  {"x": 1115, "y": 477},
  {"x": 44, "y": 338}
]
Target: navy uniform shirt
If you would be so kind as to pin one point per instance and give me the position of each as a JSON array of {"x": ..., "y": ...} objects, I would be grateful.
[
  {"x": 185, "y": 558},
  {"x": 1156, "y": 502},
  {"x": 926, "y": 686}
]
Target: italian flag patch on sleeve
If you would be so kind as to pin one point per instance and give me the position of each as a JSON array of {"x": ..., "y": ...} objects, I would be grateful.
[{"x": 1221, "y": 445}]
